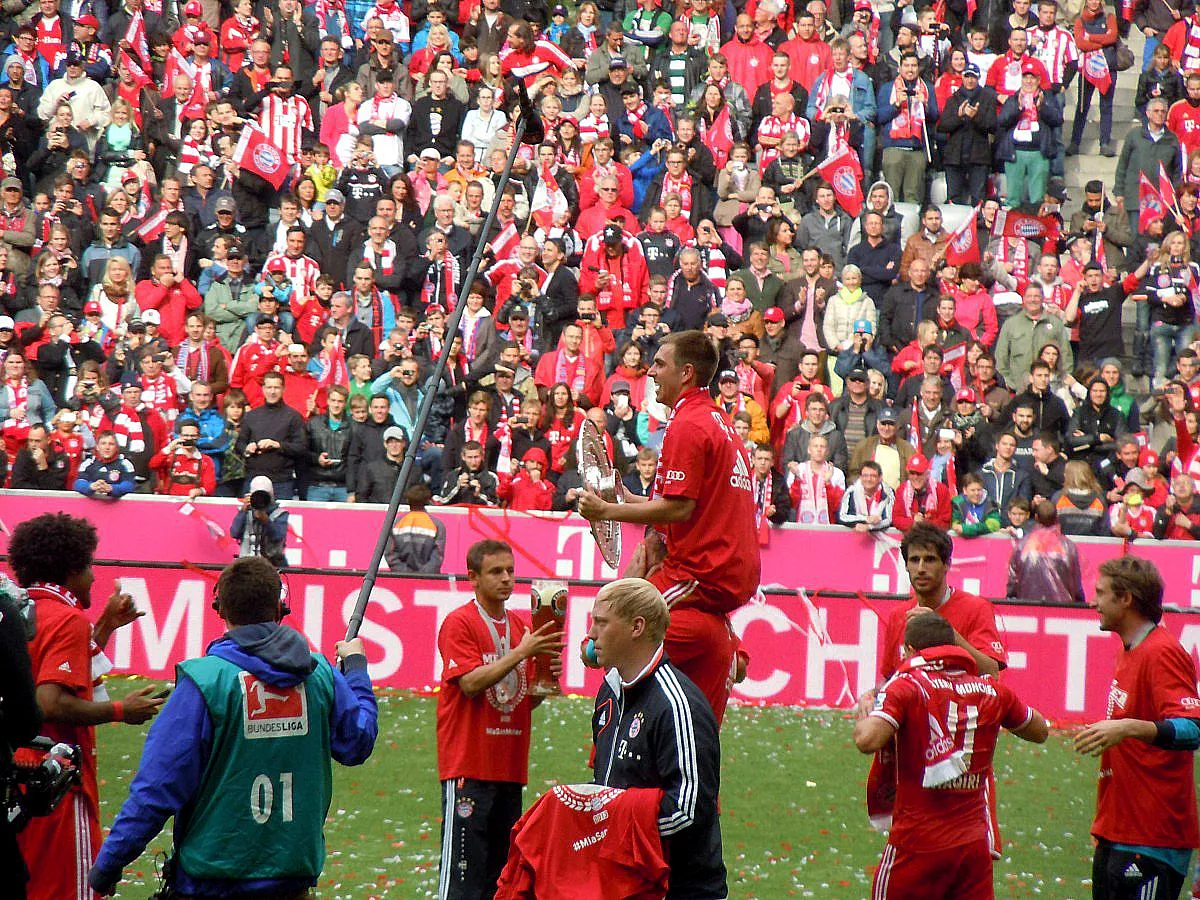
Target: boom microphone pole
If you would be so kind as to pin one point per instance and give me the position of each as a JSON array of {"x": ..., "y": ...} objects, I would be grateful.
[{"x": 527, "y": 122}]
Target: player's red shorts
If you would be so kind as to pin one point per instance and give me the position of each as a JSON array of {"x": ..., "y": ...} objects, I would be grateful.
[
  {"x": 702, "y": 646},
  {"x": 59, "y": 849},
  {"x": 957, "y": 873}
]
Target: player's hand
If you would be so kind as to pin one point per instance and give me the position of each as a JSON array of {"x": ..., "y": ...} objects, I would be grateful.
[
  {"x": 592, "y": 506},
  {"x": 918, "y": 610},
  {"x": 119, "y": 609},
  {"x": 543, "y": 641},
  {"x": 352, "y": 647},
  {"x": 864, "y": 704},
  {"x": 140, "y": 706},
  {"x": 1099, "y": 736}
]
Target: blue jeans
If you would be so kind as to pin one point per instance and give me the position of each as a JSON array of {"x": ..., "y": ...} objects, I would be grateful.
[
  {"x": 1086, "y": 92},
  {"x": 285, "y": 490},
  {"x": 327, "y": 493},
  {"x": 1168, "y": 338}
]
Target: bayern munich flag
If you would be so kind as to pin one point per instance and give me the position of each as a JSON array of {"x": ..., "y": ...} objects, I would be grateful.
[
  {"x": 964, "y": 243},
  {"x": 255, "y": 153},
  {"x": 844, "y": 175}
]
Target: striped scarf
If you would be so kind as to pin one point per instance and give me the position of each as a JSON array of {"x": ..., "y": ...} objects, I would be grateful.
[
  {"x": 592, "y": 128},
  {"x": 127, "y": 426},
  {"x": 570, "y": 372},
  {"x": 682, "y": 187},
  {"x": 198, "y": 371}
]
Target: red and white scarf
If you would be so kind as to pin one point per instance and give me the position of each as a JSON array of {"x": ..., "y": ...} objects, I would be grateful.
[
  {"x": 682, "y": 187},
  {"x": 812, "y": 496},
  {"x": 382, "y": 261},
  {"x": 906, "y": 498},
  {"x": 160, "y": 394},
  {"x": 469, "y": 327},
  {"x": 909, "y": 123},
  {"x": 570, "y": 372},
  {"x": 637, "y": 121},
  {"x": 1190, "y": 57},
  {"x": 592, "y": 128},
  {"x": 18, "y": 399},
  {"x": 763, "y": 492},
  {"x": 127, "y": 426}
]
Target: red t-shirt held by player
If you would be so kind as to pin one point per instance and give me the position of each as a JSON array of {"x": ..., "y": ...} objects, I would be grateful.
[
  {"x": 485, "y": 737},
  {"x": 959, "y": 812},
  {"x": 972, "y": 617},
  {"x": 702, "y": 459},
  {"x": 1146, "y": 795},
  {"x": 587, "y": 842}
]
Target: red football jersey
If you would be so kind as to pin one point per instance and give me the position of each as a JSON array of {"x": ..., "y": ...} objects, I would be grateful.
[
  {"x": 487, "y": 736},
  {"x": 702, "y": 459},
  {"x": 589, "y": 842},
  {"x": 958, "y": 812},
  {"x": 971, "y": 616},
  {"x": 1146, "y": 795}
]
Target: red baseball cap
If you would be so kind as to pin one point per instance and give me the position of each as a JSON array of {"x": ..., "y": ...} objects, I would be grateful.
[
  {"x": 774, "y": 314},
  {"x": 966, "y": 395},
  {"x": 193, "y": 8},
  {"x": 89, "y": 20},
  {"x": 276, "y": 265},
  {"x": 92, "y": 307},
  {"x": 917, "y": 464},
  {"x": 1147, "y": 458},
  {"x": 1030, "y": 67}
]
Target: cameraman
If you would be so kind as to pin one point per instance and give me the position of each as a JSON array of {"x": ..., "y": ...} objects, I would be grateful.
[
  {"x": 51, "y": 557},
  {"x": 19, "y": 721},
  {"x": 260, "y": 526},
  {"x": 202, "y": 768}
]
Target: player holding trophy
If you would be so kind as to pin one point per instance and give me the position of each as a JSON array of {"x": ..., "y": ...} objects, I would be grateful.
[{"x": 702, "y": 552}]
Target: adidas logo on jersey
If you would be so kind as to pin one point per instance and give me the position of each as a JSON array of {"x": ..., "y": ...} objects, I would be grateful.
[
  {"x": 65, "y": 667},
  {"x": 741, "y": 473},
  {"x": 1134, "y": 872}
]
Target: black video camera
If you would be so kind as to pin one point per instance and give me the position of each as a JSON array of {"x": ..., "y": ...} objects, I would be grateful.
[{"x": 38, "y": 779}]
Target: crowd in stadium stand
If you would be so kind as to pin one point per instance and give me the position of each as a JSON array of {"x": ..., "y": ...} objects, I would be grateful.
[{"x": 175, "y": 322}]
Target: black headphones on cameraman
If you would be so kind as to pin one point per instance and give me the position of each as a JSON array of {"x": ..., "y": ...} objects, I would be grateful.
[{"x": 285, "y": 608}]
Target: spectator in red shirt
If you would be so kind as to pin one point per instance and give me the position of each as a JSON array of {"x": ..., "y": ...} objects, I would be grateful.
[
  {"x": 921, "y": 499},
  {"x": 167, "y": 291},
  {"x": 183, "y": 471},
  {"x": 528, "y": 488}
]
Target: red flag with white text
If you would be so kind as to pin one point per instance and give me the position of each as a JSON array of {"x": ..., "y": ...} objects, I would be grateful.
[
  {"x": 844, "y": 175},
  {"x": 505, "y": 243},
  {"x": 255, "y": 153},
  {"x": 152, "y": 227}
]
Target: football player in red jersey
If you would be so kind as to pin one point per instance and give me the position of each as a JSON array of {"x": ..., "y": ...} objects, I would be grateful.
[
  {"x": 942, "y": 720},
  {"x": 483, "y": 723},
  {"x": 702, "y": 506},
  {"x": 926, "y": 553},
  {"x": 1146, "y": 824}
]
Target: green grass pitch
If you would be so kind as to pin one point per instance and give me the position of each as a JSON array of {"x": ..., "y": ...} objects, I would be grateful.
[{"x": 792, "y": 805}]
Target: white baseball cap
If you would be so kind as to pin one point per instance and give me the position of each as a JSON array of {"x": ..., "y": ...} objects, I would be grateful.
[{"x": 6, "y": 322}]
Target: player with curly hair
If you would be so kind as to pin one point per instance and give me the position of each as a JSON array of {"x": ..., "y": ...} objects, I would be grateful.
[{"x": 51, "y": 556}]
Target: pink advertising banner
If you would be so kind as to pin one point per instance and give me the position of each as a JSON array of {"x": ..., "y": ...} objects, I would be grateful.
[
  {"x": 1058, "y": 658},
  {"x": 554, "y": 545}
]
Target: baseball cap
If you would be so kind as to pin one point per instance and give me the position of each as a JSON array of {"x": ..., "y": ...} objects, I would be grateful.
[
  {"x": 971, "y": 70},
  {"x": 130, "y": 380},
  {"x": 262, "y": 483},
  {"x": 862, "y": 4},
  {"x": 727, "y": 375},
  {"x": 129, "y": 176},
  {"x": 1136, "y": 476},
  {"x": 863, "y": 326},
  {"x": 395, "y": 433},
  {"x": 430, "y": 153},
  {"x": 965, "y": 395},
  {"x": 620, "y": 387},
  {"x": 193, "y": 8},
  {"x": 774, "y": 314},
  {"x": 612, "y": 234},
  {"x": 235, "y": 253},
  {"x": 1146, "y": 458},
  {"x": 200, "y": 36},
  {"x": 559, "y": 10},
  {"x": 617, "y": 62},
  {"x": 92, "y": 307},
  {"x": 7, "y": 323},
  {"x": 333, "y": 195},
  {"x": 225, "y": 204},
  {"x": 10, "y": 183},
  {"x": 277, "y": 265},
  {"x": 434, "y": 308},
  {"x": 136, "y": 326},
  {"x": 1030, "y": 67},
  {"x": 89, "y": 20},
  {"x": 1057, "y": 189},
  {"x": 717, "y": 320},
  {"x": 887, "y": 414},
  {"x": 917, "y": 464},
  {"x": 74, "y": 58},
  {"x": 67, "y": 416},
  {"x": 859, "y": 374},
  {"x": 151, "y": 317}
]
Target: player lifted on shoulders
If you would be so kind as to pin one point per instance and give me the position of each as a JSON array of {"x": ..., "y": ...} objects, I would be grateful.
[
  {"x": 943, "y": 720},
  {"x": 926, "y": 553},
  {"x": 1146, "y": 825},
  {"x": 702, "y": 506}
]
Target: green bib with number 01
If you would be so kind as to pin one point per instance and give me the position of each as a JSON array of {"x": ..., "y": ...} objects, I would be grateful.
[{"x": 260, "y": 811}]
